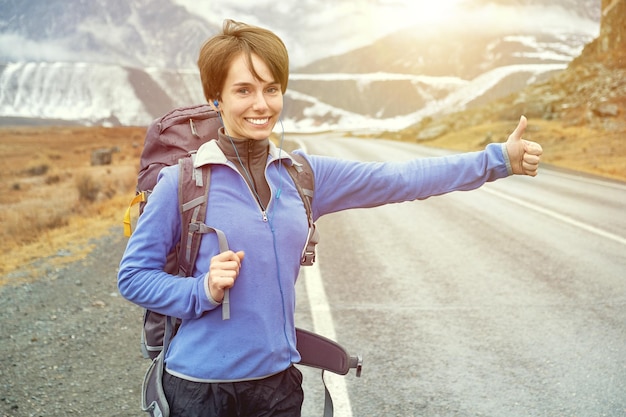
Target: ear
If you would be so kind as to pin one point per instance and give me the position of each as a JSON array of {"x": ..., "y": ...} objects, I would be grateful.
[{"x": 215, "y": 105}]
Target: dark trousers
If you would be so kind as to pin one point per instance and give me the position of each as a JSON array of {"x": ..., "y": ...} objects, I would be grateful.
[{"x": 279, "y": 395}]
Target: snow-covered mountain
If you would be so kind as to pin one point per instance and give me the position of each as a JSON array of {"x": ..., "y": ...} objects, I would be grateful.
[{"x": 129, "y": 61}]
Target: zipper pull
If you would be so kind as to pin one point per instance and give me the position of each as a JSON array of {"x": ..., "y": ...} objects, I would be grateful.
[{"x": 264, "y": 216}]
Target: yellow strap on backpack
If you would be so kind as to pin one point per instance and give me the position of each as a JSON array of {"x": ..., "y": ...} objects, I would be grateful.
[{"x": 139, "y": 198}]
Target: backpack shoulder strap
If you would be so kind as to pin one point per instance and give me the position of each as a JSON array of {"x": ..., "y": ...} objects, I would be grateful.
[
  {"x": 304, "y": 180},
  {"x": 304, "y": 175},
  {"x": 193, "y": 194},
  {"x": 193, "y": 197}
]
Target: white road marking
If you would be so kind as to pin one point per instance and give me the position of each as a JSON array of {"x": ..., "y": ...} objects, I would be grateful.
[
  {"x": 323, "y": 324},
  {"x": 560, "y": 217}
]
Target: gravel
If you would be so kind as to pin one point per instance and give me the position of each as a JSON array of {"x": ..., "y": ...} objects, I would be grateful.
[{"x": 69, "y": 343}]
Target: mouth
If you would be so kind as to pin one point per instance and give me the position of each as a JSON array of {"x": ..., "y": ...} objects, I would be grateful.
[{"x": 258, "y": 121}]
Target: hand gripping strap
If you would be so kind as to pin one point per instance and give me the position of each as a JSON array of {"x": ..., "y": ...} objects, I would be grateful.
[{"x": 201, "y": 228}]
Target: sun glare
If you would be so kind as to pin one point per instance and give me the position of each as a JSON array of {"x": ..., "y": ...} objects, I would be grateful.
[{"x": 407, "y": 12}]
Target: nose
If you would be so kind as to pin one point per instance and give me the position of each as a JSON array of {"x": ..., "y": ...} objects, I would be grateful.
[{"x": 260, "y": 103}]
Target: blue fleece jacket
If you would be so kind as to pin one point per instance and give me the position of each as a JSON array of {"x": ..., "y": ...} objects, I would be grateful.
[{"x": 259, "y": 338}]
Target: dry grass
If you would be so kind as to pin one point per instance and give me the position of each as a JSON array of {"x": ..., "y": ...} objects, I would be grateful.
[
  {"x": 53, "y": 201},
  {"x": 579, "y": 148}
]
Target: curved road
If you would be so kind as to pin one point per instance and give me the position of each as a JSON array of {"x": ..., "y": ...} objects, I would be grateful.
[{"x": 508, "y": 301}]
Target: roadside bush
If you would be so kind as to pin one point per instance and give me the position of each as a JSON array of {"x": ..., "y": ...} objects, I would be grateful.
[
  {"x": 88, "y": 188},
  {"x": 53, "y": 179},
  {"x": 37, "y": 170},
  {"x": 30, "y": 223}
]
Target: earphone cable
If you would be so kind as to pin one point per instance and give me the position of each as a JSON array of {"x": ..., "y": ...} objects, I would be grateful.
[{"x": 245, "y": 170}]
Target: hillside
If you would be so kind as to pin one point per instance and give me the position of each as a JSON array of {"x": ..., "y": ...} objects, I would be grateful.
[
  {"x": 109, "y": 62},
  {"x": 53, "y": 201},
  {"x": 578, "y": 115}
]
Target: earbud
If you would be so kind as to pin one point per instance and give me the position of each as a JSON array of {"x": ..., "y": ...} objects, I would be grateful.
[{"x": 216, "y": 103}]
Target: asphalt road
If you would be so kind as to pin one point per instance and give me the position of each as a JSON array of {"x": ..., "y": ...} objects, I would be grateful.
[
  {"x": 509, "y": 300},
  {"x": 505, "y": 301}
]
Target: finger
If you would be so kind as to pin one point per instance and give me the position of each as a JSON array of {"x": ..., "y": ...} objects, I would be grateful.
[
  {"x": 519, "y": 130},
  {"x": 229, "y": 273},
  {"x": 530, "y": 168},
  {"x": 224, "y": 256},
  {"x": 533, "y": 148},
  {"x": 229, "y": 256},
  {"x": 218, "y": 285},
  {"x": 234, "y": 261},
  {"x": 222, "y": 279},
  {"x": 531, "y": 159},
  {"x": 225, "y": 282},
  {"x": 530, "y": 163}
]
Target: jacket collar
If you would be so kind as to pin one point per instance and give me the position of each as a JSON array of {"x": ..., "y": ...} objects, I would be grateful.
[{"x": 212, "y": 152}]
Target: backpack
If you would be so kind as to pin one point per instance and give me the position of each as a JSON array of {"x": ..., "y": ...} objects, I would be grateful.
[{"x": 173, "y": 139}]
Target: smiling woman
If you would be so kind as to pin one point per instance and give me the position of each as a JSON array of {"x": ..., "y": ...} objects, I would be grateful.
[{"x": 254, "y": 204}]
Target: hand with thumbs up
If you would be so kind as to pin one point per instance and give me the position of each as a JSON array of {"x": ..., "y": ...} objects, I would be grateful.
[{"x": 524, "y": 155}]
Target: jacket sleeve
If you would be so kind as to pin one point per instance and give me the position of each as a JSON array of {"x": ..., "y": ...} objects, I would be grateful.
[
  {"x": 341, "y": 184},
  {"x": 141, "y": 278}
]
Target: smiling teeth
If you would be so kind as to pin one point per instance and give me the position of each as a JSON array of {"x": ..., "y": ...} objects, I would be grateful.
[{"x": 258, "y": 121}]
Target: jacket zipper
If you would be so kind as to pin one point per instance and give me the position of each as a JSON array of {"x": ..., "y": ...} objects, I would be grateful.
[{"x": 252, "y": 186}]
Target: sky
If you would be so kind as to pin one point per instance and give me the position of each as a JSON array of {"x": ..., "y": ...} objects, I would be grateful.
[
  {"x": 348, "y": 24},
  {"x": 313, "y": 29}
]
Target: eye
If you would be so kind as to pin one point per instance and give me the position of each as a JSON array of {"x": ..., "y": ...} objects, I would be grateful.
[
  {"x": 273, "y": 90},
  {"x": 243, "y": 90}
]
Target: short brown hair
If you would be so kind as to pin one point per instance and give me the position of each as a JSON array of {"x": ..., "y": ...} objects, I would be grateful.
[{"x": 218, "y": 52}]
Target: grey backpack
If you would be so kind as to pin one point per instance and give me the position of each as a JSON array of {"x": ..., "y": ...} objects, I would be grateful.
[{"x": 173, "y": 139}]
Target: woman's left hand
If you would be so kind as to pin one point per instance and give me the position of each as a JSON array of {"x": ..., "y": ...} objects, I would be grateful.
[{"x": 524, "y": 155}]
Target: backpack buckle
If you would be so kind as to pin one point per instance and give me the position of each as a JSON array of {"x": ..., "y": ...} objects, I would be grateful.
[
  {"x": 308, "y": 258},
  {"x": 356, "y": 362}
]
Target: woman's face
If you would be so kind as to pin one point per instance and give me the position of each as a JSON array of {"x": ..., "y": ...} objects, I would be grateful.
[{"x": 250, "y": 107}]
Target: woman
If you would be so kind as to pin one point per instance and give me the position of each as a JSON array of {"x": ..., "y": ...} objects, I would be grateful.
[{"x": 244, "y": 366}]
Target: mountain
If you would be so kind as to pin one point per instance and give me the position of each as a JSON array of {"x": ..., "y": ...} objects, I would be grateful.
[
  {"x": 125, "y": 62},
  {"x": 130, "y": 33},
  {"x": 591, "y": 91},
  {"x": 415, "y": 75},
  {"x": 577, "y": 114}
]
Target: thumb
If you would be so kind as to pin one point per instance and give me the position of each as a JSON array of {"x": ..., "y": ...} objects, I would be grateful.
[
  {"x": 240, "y": 254},
  {"x": 519, "y": 130},
  {"x": 515, "y": 147}
]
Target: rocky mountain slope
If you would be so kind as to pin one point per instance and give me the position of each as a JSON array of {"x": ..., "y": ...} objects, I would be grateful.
[
  {"x": 114, "y": 62},
  {"x": 578, "y": 113}
]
